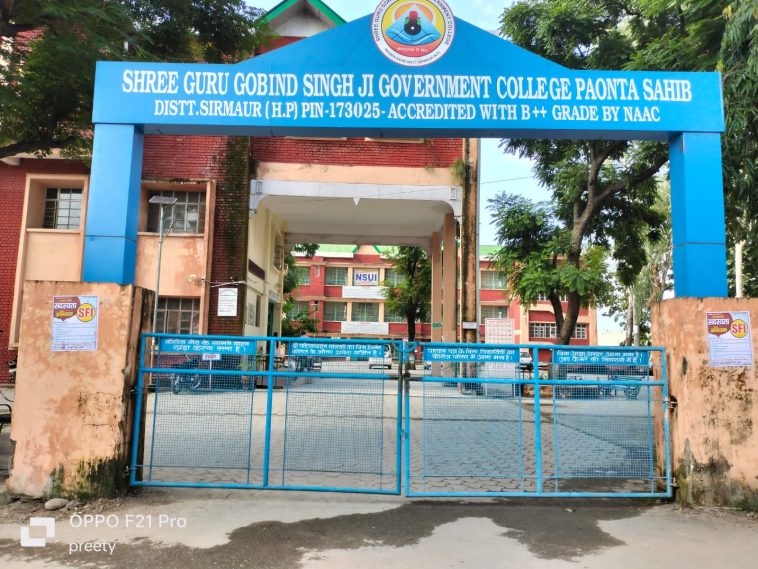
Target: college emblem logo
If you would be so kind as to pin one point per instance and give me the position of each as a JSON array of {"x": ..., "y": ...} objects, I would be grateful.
[{"x": 413, "y": 33}]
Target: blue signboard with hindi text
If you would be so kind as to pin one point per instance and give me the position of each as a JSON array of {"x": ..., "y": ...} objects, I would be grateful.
[
  {"x": 469, "y": 354},
  {"x": 336, "y": 350},
  {"x": 610, "y": 357},
  {"x": 203, "y": 346}
]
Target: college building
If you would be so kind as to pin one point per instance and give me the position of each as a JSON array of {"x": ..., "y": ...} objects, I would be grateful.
[
  {"x": 342, "y": 286},
  {"x": 238, "y": 205}
]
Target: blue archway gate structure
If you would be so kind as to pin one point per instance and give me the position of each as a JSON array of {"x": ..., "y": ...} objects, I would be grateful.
[
  {"x": 365, "y": 78},
  {"x": 340, "y": 83}
]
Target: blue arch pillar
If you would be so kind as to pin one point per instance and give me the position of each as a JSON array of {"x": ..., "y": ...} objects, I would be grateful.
[
  {"x": 697, "y": 215},
  {"x": 110, "y": 242}
]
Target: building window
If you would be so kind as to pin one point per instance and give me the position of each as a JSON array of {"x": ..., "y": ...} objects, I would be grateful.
[
  {"x": 494, "y": 280},
  {"x": 365, "y": 312},
  {"x": 394, "y": 278},
  {"x": 299, "y": 309},
  {"x": 580, "y": 332},
  {"x": 550, "y": 330},
  {"x": 335, "y": 311},
  {"x": 187, "y": 215},
  {"x": 63, "y": 208},
  {"x": 336, "y": 276},
  {"x": 178, "y": 315},
  {"x": 489, "y": 311},
  {"x": 392, "y": 316},
  {"x": 277, "y": 255},
  {"x": 303, "y": 275},
  {"x": 542, "y": 296}
]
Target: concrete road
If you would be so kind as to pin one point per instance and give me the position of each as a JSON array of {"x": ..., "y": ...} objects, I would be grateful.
[{"x": 279, "y": 530}]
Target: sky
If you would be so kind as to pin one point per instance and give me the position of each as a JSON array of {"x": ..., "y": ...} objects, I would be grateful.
[{"x": 499, "y": 171}]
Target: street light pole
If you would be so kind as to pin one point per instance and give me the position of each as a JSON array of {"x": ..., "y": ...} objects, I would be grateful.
[{"x": 162, "y": 201}]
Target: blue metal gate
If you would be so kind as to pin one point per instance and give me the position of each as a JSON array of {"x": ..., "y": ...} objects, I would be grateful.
[
  {"x": 342, "y": 415},
  {"x": 491, "y": 420},
  {"x": 278, "y": 413}
]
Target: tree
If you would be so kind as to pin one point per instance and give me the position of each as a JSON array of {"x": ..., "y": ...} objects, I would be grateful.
[
  {"x": 739, "y": 64},
  {"x": 603, "y": 191},
  {"x": 631, "y": 305},
  {"x": 702, "y": 35},
  {"x": 410, "y": 297},
  {"x": 533, "y": 254},
  {"x": 296, "y": 323},
  {"x": 48, "y": 51}
]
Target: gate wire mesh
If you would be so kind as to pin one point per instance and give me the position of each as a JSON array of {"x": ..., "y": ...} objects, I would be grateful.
[
  {"x": 591, "y": 423},
  {"x": 267, "y": 413}
]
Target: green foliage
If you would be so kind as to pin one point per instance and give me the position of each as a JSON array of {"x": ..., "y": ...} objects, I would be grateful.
[
  {"x": 216, "y": 31},
  {"x": 630, "y": 304},
  {"x": 739, "y": 65},
  {"x": 46, "y": 89},
  {"x": 603, "y": 191},
  {"x": 703, "y": 35},
  {"x": 412, "y": 297},
  {"x": 296, "y": 324},
  {"x": 51, "y": 48},
  {"x": 290, "y": 275},
  {"x": 534, "y": 248}
]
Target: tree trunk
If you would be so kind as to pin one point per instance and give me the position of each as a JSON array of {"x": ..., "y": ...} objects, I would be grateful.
[
  {"x": 411, "y": 321},
  {"x": 629, "y": 319},
  {"x": 738, "y": 269},
  {"x": 469, "y": 246},
  {"x": 569, "y": 319}
]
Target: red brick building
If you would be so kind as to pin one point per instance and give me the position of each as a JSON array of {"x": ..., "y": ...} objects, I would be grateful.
[
  {"x": 240, "y": 203},
  {"x": 341, "y": 287}
]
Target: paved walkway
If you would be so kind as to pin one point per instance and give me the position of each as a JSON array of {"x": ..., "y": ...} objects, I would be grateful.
[
  {"x": 343, "y": 433},
  {"x": 291, "y": 530}
]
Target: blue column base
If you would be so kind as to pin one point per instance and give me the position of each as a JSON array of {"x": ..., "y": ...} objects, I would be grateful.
[
  {"x": 110, "y": 244},
  {"x": 697, "y": 216},
  {"x": 690, "y": 279},
  {"x": 109, "y": 260}
]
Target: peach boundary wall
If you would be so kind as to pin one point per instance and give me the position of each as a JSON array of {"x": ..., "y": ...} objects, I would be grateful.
[
  {"x": 714, "y": 425},
  {"x": 72, "y": 418}
]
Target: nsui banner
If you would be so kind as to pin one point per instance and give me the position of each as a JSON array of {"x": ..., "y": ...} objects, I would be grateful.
[{"x": 392, "y": 73}]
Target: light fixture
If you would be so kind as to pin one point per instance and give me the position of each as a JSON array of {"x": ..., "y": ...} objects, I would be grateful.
[{"x": 162, "y": 201}]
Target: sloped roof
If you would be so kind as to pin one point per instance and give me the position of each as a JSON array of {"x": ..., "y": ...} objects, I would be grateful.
[{"x": 320, "y": 8}]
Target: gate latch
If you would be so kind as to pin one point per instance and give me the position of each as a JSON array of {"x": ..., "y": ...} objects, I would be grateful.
[{"x": 672, "y": 403}]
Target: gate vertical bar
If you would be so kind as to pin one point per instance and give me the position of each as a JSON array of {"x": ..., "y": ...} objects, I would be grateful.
[
  {"x": 522, "y": 473},
  {"x": 269, "y": 406},
  {"x": 155, "y": 403},
  {"x": 666, "y": 432},
  {"x": 537, "y": 422},
  {"x": 250, "y": 431},
  {"x": 137, "y": 413},
  {"x": 406, "y": 387},
  {"x": 399, "y": 442},
  {"x": 650, "y": 435}
]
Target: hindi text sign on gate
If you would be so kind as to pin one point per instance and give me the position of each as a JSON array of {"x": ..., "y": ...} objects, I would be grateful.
[{"x": 330, "y": 350}]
